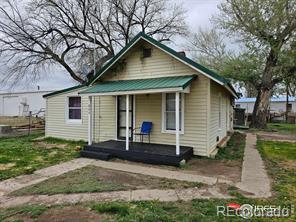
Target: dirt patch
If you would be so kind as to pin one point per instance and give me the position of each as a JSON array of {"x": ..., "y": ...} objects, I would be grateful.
[
  {"x": 71, "y": 214},
  {"x": 66, "y": 214},
  {"x": 138, "y": 181},
  {"x": 51, "y": 145},
  {"x": 223, "y": 169},
  {"x": 277, "y": 137},
  {"x": 288, "y": 164},
  {"x": 6, "y": 166}
]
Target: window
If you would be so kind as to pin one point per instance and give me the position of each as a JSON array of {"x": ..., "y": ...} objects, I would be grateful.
[
  {"x": 169, "y": 112},
  {"x": 74, "y": 108},
  {"x": 146, "y": 52},
  {"x": 237, "y": 105}
]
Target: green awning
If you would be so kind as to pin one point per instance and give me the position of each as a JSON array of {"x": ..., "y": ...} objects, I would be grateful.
[{"x": 173, "y": 83}]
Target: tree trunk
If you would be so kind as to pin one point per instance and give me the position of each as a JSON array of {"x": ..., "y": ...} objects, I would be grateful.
[
  {"x": 260, "y": 112},
  {"x": 287, "y": 103}
]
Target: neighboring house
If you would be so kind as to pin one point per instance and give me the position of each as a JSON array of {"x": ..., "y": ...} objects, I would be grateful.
[
  {"x": 277, "y": 104},
  {"x": 149, "y": 78},
  {"x": 21, "y": 103}
]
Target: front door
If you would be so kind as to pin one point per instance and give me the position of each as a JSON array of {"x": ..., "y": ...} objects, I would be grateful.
[{"x": 121, "y": 116}]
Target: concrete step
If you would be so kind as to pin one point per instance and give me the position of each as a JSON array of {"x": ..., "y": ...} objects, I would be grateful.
[{"x": 95, "y": 155}]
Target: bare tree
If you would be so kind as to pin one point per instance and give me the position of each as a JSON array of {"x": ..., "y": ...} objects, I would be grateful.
[{"x": 42, "y": 33}]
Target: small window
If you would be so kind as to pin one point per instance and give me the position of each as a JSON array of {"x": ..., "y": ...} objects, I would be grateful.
[
  {"x": 74, "y": 108},
  {"x": 146, "y": 52},
  {"x": 237, "y": 105},
  {"x": 169, "y": 112}
]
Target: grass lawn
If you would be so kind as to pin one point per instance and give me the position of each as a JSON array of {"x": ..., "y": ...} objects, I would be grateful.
[
  {"x": 96, "y": 179},
  {"x": 22, "y": 155},
  {"x": 283, "y": 128},
  {"x": 234, "y": 149},
  {"x": 281, "y": 164}
]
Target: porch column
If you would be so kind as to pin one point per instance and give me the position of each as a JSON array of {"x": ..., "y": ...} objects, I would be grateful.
[
  {"x": 127, "y": 123},
  {"x": 177, "y": 123},
  {"x": 90, "y": 121}
]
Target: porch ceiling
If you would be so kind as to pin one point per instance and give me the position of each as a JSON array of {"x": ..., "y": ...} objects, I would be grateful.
[{"x": 152, "y": 85}]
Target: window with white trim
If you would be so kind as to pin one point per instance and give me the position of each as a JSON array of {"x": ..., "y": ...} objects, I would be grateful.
[
  {"x": 169, "y": 112},
  {"x": 74, "y": 108}
]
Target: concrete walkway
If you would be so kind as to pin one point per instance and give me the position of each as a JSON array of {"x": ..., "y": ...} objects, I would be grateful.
[
  {"x": 133, "y": 195},
  {"x": 7, "y": 186},
  {"x": 254, "y": 181},
  {"x": 38, "y": 176},
  {"x": 254, "y": 177}
]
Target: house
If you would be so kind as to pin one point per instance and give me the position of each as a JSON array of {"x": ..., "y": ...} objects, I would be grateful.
[
  {"x": 21, "y": 103},
  {"x": 277, "y": 104},
  {"x": 151, "y": 81}
]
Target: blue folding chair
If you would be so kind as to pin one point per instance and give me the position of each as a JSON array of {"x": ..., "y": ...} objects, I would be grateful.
[{"x": 145, "y": 130}]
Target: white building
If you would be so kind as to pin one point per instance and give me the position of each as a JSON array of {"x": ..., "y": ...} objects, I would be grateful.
[
  {"x": 21, "y": 103},
  {"x": 277, "y": 104}
]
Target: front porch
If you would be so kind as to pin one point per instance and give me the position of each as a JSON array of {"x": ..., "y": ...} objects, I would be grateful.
[
  {"x": 139, "y": 152},
  {"x": 124, "y": 145}
]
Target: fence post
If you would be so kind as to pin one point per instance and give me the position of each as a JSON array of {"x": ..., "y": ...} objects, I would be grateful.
[{"x": 30, "y": 115}]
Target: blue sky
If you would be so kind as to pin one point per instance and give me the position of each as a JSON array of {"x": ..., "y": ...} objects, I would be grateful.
[{"x": 198, "y": 14}]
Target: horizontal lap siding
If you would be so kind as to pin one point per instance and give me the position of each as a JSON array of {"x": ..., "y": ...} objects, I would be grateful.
[
  {"x": 159, "y": 64},
  {"x": 149, "y": 108},
  {"x": 56, "y": 125},
  {"x": 216, "y": 91},
  {"x": 104, "y": 118}
]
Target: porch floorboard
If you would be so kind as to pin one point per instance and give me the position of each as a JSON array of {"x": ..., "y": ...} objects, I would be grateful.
[{"x": 140, "y": 152}]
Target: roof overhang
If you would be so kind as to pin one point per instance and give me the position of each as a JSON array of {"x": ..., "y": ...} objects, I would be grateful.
[
  {"x": 141, "y": 86},
  {"x": 137, "y": 92}
]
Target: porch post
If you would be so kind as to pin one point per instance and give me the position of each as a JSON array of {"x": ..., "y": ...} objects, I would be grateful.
[
  {"x": 127, "y": 123},
  {"x": 177, "y": 123},
  {"x": 90, "y": 123}
]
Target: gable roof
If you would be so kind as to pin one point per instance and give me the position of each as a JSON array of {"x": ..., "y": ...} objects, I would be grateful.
[{"x": 205, "y": 71}]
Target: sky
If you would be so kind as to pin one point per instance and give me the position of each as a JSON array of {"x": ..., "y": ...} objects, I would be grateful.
[{"x": 198, "y": 15}]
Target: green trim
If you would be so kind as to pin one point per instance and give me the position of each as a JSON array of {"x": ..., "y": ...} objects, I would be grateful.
[
  {"x": 63, "y": 91},
  {"x": 140, "y": 84},
  {"x": 168, "y": 50}
]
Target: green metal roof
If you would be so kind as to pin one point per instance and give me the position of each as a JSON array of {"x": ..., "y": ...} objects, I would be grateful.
[
  {"x": 140, "y": 84},
  {"x": 63, "y": 91},
  {"x": 169, "y": 50}
]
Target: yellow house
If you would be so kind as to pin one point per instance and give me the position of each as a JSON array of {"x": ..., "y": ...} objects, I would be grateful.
[{"x": 146, "y": 82}]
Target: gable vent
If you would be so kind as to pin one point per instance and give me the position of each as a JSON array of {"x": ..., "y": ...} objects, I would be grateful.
[{"x": 146, "y": 52}]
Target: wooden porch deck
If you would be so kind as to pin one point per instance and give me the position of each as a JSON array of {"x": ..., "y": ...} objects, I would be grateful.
[{"x": 138, "y": 152}]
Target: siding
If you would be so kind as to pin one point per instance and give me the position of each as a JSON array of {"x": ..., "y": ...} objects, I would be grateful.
[
  {"x": 215, "y": 131},
  {"x": 56, "y": 125},
  {"x": 160, "y": 64},
  {"x": 104, "y": 118},
  {"x": 149, "y": 107}
]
